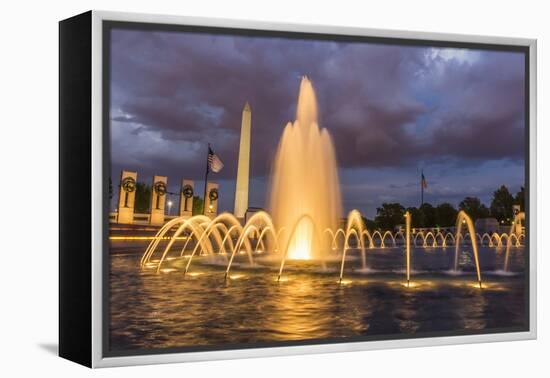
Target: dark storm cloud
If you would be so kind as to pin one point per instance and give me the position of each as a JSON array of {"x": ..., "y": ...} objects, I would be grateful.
[
  {"x": 385, "y": 106},
  {"x": 194, "y": 89}
]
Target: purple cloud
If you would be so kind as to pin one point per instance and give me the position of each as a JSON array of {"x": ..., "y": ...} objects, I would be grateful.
[{"x": 386, "y": 106}]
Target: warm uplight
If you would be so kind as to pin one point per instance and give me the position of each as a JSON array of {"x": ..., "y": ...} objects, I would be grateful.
[
  {"x": 423, "y": 285},
  {"x": 474, "y": 285},
  {"x": 194, "y": 274},
  {"x": 301, "y": 245},
  {"x": 464, "y": 219},
  {"x": 305, "y": 194},
  {"x": 123, "y": 238},
  {"x": 236, "y": 276}
]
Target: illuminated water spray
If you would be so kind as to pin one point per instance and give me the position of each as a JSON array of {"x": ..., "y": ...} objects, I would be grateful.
[
  {"x": 305, "y": 207},
  {"x": 464, "y": 219},
  {"x": 305, "y": 192},
  {"x": 520, "y": 217},
  {"x": 356, "y": 228},
  {"x": 408, "y": 245}
]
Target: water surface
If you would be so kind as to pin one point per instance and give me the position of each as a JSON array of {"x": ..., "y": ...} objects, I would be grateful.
[{"x": 149, "y": 310}]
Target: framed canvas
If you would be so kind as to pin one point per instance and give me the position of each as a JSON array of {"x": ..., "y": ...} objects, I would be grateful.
[{"x": 232, "y": 189}]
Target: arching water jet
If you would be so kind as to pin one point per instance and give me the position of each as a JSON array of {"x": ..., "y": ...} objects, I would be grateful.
[
  {"x": 355, "y": 227},
  {"x": 315, "y": 238},
  {"x": 464, "y": 219}
]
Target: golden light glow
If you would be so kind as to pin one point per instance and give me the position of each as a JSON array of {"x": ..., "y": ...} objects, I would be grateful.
[
  {"x": 420, "y": 285},
  {"x": 226, "y": 235},
  {"x": 236, "y": 276},
  {"x": 462, "y": 219},
  {"x": 408, "y": 245},
  {"x": 477, "y": 285},
  {"x": 301, "y": 245},
  {"x": 520, "y": 217},
  {"x": 145, "y": 238},
  {"x": 305, "y": 193},
  {"x": 410, "y": 284},
  {"x": 492, "y": 286}
]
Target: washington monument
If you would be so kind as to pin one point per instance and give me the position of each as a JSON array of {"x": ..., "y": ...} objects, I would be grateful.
[{"x": 241, "y": 190}]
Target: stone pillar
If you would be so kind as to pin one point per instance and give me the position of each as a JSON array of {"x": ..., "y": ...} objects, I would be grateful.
[
  {"x": 243, "y": 168},
  {"x": 211, "y": 200},
  {"x": 186, "y": 198},
  {"x": 126, "y": 197},
  {"x": 158, "y": 199}
]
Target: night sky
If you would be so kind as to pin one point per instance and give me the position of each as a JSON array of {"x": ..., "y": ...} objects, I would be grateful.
[{"x": 391, "y": 110}]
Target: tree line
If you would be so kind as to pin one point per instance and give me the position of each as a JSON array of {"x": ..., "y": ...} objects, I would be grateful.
[{"x": 389, "y": 215}]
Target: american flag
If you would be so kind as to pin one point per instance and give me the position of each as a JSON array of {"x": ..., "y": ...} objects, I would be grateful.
[
  {"x": 424, "y": 183},
  {"x": 214, "y": 163}
]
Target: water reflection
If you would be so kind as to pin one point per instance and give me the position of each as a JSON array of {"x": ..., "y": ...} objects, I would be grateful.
[{"x": 170, "y": 309}]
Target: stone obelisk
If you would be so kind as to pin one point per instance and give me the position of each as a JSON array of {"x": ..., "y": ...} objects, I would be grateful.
[{"x": 243, "y": 169}]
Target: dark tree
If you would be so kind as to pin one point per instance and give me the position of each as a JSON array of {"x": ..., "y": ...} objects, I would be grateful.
[
  {"x": 416, "y": 217},
  {"x": 427, "y": 215},
  {"x": 445, "y": 215},
  {"x": 502, "y": 205},
  {"x": 474, "y": 208},
  {"x": 520, "y": 199},
  {"x": 369, "y": 223},
  {"x": 389, "y": 215},
  {"x": 143, "y": 198},
  {"x": 197, "y": 205}
]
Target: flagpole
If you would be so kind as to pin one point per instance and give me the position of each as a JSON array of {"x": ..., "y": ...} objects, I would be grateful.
[
  {"x": 422, "y": 188},
  {"x": 205, "y": 181}
]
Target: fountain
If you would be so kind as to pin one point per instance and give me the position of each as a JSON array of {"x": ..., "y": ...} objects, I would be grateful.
[
  {"x": 183, "y": 265},
  {"x": 354, "y": 227},
  {"x": 305, "y": 192},
  {"x": 305, "y": 210},
  {"x": 520, "y": 217},
  {"x": 225, "y": 236},
  {"x": 462, "y": 219},
  {"x": 408, "y": 245}
]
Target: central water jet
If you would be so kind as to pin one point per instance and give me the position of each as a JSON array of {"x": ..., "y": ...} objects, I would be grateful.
[{"x": 305, "y": 191}]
